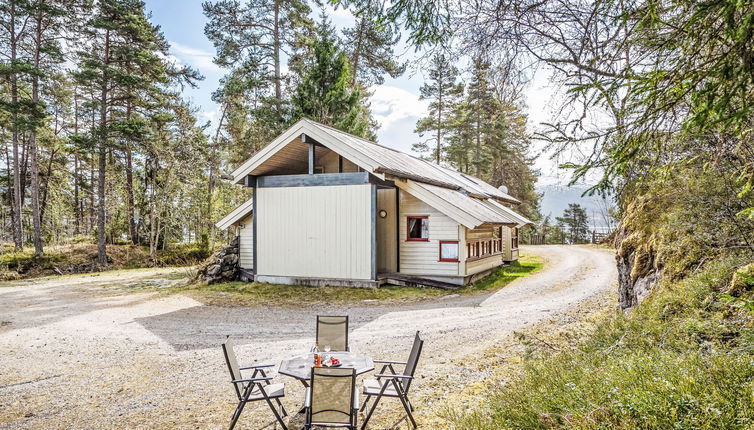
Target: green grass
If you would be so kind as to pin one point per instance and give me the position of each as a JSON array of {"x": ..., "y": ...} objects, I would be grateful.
[
  {"x": 684, "y": 359},
  {"x": 239, "y": 293}
]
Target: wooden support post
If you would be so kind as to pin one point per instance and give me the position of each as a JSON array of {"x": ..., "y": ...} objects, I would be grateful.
[
  {"x": 340, "y": 164},
  {"x": 251, "y": 181},
  {"x": 374, "y": 231},
  {"x": 398, "y": 230},
  {"x": 311, "y": 158}
]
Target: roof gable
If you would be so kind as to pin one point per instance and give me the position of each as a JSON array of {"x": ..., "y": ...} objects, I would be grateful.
[{"x": 237, "y": 214}]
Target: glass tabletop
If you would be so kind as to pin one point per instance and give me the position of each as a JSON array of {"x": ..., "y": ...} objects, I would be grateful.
[{"x": 300, "y": 366}]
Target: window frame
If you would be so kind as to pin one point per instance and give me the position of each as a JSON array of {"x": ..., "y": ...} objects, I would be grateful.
[
  {"x": 408, "y": 228},
  {"x": 458, "y": 252}
]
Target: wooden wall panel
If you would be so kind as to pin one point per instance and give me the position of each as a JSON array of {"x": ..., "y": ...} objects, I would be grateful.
[
  {"x": 422, "y": 258},
  {"x": 318, "y": 232},
  {"x": 246, "y": 244}
]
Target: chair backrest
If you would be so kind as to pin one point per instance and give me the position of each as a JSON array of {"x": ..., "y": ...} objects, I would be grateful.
[
  {"x": 332, "y": 331},
  {"x": 232, "y": 362},
  {"x": 332, "y": 396},
  {"x": 413, "y": 359}
]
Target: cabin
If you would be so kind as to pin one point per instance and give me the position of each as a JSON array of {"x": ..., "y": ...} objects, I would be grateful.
[{"x": 330, "y": 208}]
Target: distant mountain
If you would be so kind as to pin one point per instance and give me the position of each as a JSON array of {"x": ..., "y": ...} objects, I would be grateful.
[{"x": 557, "y": 197}]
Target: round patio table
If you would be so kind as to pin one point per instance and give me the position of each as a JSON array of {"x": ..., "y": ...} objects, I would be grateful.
[{"x": 300, "y": 366}]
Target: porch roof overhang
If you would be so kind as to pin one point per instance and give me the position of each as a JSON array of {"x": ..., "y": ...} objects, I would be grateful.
[
  {"x": 236, "y": 215},
  {"x": 520, "y": 219},
  {"x": 468, "y": 211}
]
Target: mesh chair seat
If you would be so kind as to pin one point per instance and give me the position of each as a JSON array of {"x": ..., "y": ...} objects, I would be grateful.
[
  {"x": 372, "y": 387},
  {"x": 273, "y": 391}
]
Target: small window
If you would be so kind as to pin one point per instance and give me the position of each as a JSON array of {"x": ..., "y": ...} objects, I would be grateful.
[
  {"x": 449, "y": 250},
  {"x": 418, "y": 228}
]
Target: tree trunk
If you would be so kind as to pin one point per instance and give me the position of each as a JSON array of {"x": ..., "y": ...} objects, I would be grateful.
[
  {"x": 18, "y": 238},
  {"x": 130, "y": 206},
  {"x": 101, "y": 240},
  {"x": 357, "y": 52},
  {"x": 210, "y": 229},
  {"x": 76, "y": 198},
  {"x": 440, "y": 91},
  {"x": 276, "y": 48},
  {"x": 478, "y": 151},
  {"x": 76, "y": 203},
  {"x": 36, "y": 218}
]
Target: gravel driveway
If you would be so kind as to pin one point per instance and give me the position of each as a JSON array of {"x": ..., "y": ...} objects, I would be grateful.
[{"x": 75, "y": 352}]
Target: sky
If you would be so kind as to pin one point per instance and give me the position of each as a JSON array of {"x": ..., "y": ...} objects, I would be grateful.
[{"x": 395, "y": 104}]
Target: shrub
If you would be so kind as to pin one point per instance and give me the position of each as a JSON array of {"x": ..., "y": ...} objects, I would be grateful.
[{"x": 684, "y": 359}]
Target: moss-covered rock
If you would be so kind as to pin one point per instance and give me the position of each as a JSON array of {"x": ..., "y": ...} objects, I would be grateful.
[{"x": 742, "y": 283}]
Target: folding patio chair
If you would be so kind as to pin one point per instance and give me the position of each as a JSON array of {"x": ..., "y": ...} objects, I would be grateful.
[
  {"x": 255, "y": 388},
  {"x": 332, "y": 399},
  {"x": 390, "y": 383},
  {"x": 332, "y": 331}
]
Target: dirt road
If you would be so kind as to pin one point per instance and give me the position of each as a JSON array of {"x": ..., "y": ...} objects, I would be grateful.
[{"x": 78, "y": 352}]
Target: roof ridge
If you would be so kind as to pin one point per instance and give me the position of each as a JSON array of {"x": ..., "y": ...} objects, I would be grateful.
[{"x": 356, "y": 137}]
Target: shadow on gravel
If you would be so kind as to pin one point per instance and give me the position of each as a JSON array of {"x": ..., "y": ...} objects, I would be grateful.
[
  {"x": 202, "y": 327},
  {"x": 33, "y": 308}
]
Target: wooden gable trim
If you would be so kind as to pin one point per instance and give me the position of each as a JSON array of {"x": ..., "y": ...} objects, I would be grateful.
[
  {"x": 238, "y": 213},
  {"x": 318, "y": 135}
]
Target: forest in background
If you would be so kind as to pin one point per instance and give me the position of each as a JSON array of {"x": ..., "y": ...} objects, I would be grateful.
[{"x": 100, "y": 147}]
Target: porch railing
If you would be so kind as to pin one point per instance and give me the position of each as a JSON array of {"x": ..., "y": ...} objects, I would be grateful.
[{"x": 482, "y": 248}]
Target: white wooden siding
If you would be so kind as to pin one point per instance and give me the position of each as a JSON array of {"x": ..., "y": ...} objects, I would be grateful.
[
  {"x": 509, "y": 254},
  {"x": 246, "y": 243},
  {"x": 387, "y": 245},
  {"x": 422, "y": 258},
  {"x": 476, "y": 266},
  {"x": 315, "y": 232}
]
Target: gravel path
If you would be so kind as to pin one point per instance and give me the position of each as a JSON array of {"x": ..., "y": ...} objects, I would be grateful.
[{"x": 75, "y": 352}]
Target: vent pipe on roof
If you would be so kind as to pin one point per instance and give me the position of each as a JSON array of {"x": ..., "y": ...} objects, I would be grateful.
[{"x": 503, "y": 188}]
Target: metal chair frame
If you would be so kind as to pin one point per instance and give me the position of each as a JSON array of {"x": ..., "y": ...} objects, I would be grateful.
[
  {"x": 401, "y": 383},
  {"x": 245, "y": 387}
]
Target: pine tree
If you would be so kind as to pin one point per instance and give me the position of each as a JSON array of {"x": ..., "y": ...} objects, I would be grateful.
[
  {"x": 325, "y": 93},
  {"x": 49, "y": 21},
  {"x": 484, "y": 108},
  {"x": 14, "y": 32},
  {"x": 369, "y": 46},
  {"x": 443, "y": 91},
  {"x": 124, "y": 55},
  {"x": 251, "y": 39},
  {"x": 576, "y": 222}
]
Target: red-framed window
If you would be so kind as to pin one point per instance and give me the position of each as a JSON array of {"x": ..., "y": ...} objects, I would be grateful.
[
  {"x": 449, "y": 251},
  {"x": 417, "y": 228}
]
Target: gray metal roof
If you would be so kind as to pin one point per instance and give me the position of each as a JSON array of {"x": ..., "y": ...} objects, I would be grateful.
[
  {"x": 472, "y": 206},
  {"x": 405, "y": 165}
]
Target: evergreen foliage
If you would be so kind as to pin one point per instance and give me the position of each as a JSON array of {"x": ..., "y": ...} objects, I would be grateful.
[
  {"x": 326, "y": 93},
  {"x": 443, "y": 91}
]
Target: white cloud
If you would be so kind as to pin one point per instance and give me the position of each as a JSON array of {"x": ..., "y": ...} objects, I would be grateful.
[
  {"x": 391, "y": 104},
  {"x": 397, "y": 110},
  {"x": 197, "y": 58}
]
